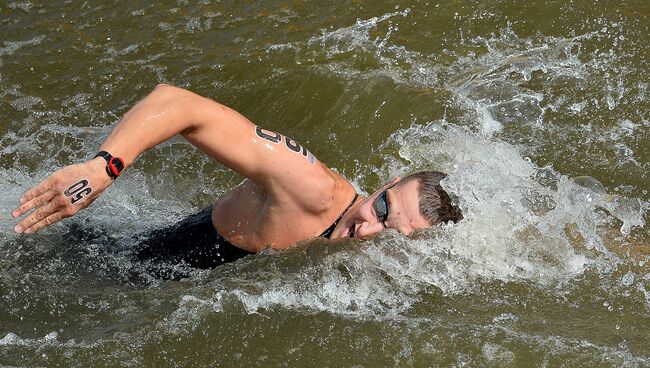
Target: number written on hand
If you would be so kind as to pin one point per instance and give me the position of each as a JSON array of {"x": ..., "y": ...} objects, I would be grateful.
[{"x": 78, "y": 190}]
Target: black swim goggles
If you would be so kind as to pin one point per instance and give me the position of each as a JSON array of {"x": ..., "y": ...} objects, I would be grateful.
[{"x": 381, "y": 206}]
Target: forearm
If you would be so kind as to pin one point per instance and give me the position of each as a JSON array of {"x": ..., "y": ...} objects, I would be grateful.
[
  {"x": 165, "y": 112},
  {"x": 219, "y": 131}
]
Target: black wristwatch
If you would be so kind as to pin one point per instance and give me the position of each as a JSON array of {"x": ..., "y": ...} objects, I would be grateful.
[{"x": 114, "y": 165}]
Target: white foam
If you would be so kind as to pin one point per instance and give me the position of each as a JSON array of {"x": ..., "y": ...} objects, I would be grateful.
[
  {"x": 362, "y": 292},
  {"x": 628, "y": 279},
  {"x": 494, "y": 85},
  {"x": 517, "y": 228},
  {"x": 11, "y": 339},
  {"x": 512, "y": 222},
  {"x": 187, "y": 316},
  {"x": 12, "y": 46},
  {"x": 24, "y": 5}
]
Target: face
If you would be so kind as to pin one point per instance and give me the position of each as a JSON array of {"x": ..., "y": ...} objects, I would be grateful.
[{"x": 363, "y": 220}]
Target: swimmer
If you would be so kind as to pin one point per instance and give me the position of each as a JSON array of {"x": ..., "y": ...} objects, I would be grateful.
[{"x": 288, "y": 195}]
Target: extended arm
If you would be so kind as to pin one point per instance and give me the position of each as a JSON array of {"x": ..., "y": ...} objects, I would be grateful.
[
  {"x": 224, "y": 134},
  {"x": 216, "y": 129}
]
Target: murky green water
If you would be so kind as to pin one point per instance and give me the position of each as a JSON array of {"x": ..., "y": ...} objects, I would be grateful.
[{"x": 513, "y": 99}]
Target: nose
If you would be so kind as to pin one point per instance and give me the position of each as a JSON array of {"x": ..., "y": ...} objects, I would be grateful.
[{"x": 367, "y": 230}]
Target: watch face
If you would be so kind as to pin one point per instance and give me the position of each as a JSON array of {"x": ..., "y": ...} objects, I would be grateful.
[{"x": 116, "y": 165}]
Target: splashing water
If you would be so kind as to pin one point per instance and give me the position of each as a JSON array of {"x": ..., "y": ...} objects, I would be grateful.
[{"x": 543, "y": 132}]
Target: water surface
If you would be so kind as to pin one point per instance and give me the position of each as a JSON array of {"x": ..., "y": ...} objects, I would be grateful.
[{"x": 537, "y": 110}]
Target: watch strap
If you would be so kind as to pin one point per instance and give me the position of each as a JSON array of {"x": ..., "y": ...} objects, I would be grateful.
[{"x": 114, "y": 165}]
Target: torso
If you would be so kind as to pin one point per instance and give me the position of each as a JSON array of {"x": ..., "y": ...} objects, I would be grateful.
[{"x": 254, "y": 218}]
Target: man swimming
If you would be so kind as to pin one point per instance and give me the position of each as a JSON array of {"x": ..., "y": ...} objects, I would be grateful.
[{"x": 288, "y": 195}]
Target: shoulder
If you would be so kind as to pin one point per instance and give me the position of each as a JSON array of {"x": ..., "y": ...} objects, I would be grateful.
[{"x": 310, "y": 189}]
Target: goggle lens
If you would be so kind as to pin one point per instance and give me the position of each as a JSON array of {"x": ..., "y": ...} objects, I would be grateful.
[{"x": 381, "y": 206}]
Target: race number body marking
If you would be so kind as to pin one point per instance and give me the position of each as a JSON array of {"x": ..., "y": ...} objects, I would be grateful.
[
  {"x": 292, "y": 145},
  {"x": 78, "y": 190},
  {"x": 270, "y": 136}
]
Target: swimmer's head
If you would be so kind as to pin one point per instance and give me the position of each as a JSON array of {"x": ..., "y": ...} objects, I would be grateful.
[
  {"x": 435, "y": 204},
  {"x": 415, "y": 202}
]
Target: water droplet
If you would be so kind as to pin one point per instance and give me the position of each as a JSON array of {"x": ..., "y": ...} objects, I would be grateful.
[
  {"x": 628, "y": 279},
  {"x": 589, "y": 182}
]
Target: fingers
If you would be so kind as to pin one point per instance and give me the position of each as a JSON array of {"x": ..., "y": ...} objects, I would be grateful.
[
  {"x": 55, "y": 206},
  {"x": 35, "y": 202},
  {"x": 36, "y": 191},
  {"x": 61, "y": 195},
  {"x": 49, "y": 220}
]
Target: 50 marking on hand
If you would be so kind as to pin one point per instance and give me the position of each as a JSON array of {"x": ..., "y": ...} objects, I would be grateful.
[{"x": 78, "y": 190}]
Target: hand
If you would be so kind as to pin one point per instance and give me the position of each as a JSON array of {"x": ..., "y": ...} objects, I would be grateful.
[{"x": 62, "y": 195}]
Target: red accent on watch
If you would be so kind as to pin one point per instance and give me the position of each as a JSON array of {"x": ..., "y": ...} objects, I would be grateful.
[{"x": 114, "y": 165}]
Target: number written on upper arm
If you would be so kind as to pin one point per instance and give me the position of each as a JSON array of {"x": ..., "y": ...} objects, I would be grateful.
[{"x": 290, "y": 144}]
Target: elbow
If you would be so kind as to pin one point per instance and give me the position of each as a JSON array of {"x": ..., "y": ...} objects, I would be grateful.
[
  {"x": 184, "y": 102},
  {"x": 168, "y": 91},
  {"x": 188, "y": 99},
  {"x": 197, "y": 111}
]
